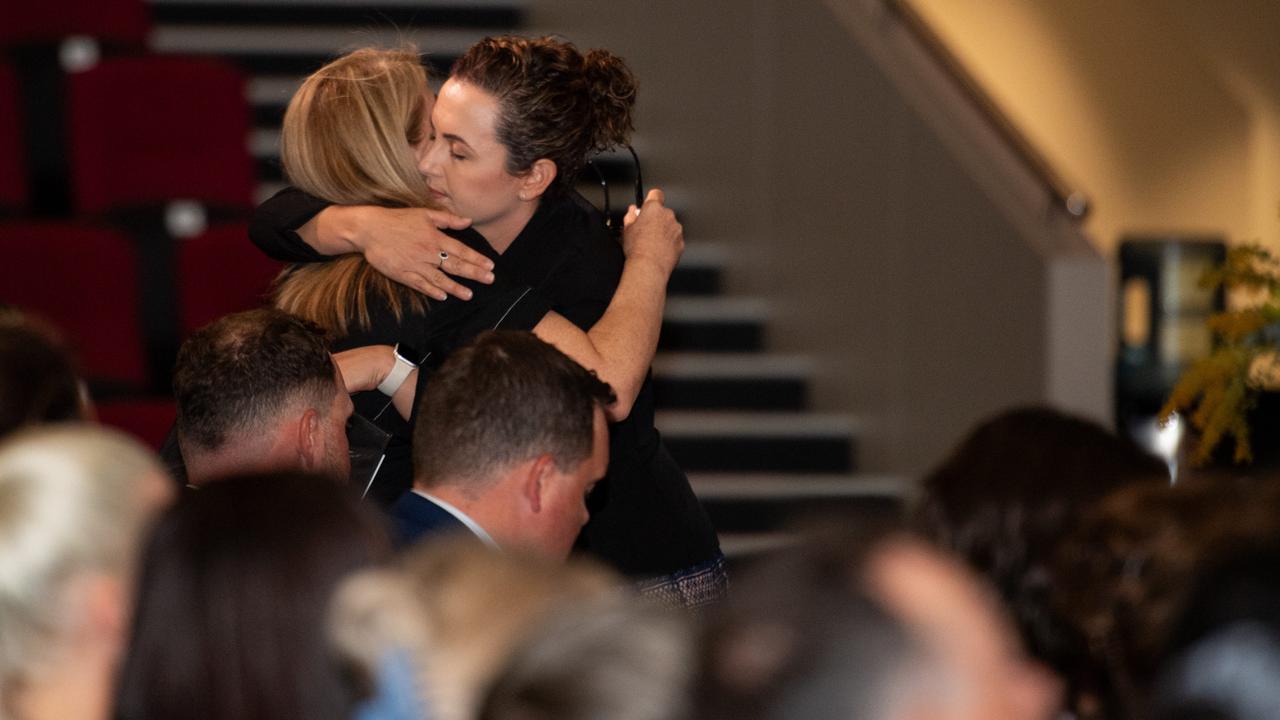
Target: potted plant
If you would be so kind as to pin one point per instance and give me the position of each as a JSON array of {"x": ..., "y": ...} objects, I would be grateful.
[{"x": 1219, "y": 393}]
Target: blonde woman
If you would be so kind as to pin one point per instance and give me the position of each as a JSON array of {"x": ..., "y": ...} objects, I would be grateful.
[
  {"x": 74, "y": 503},
  {"x": 355, "y": 134}
]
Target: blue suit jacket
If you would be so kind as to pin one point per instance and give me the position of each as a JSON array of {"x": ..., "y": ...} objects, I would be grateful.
[{"x": 416, "y": 517}]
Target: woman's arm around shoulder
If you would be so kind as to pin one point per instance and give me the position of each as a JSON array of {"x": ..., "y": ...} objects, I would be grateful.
[
  {"x": 407, "y": 245},
  {"x": 621, "y": 345}
]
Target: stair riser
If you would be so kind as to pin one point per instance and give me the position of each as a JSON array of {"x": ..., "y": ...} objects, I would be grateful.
[
  {"x": 730, "y": 394},
  {"x": 712, "y": 336},
  {"x": 776, "y": 515}
]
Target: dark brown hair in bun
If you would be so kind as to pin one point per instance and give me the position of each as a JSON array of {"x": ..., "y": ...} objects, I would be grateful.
[{"x": 556, "y": 103}]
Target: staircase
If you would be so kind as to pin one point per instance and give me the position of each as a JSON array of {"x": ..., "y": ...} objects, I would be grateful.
[{"x": 733, "y": 414}]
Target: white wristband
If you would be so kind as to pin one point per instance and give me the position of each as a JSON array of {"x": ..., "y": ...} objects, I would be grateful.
[{"x": 396, "y": 377}]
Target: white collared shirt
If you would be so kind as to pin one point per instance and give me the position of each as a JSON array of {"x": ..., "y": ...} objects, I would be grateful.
[{"x": 463, "y": 518}]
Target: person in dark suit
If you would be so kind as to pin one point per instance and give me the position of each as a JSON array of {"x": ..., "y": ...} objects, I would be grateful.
[{"x": 510, "y": 437}]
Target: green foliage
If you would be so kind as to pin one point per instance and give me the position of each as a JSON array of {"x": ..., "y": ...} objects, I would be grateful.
[{"x": 1216, "y": 393}]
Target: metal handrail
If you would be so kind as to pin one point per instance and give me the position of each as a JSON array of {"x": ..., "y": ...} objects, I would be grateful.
[{"x": 1070, "y": 199}]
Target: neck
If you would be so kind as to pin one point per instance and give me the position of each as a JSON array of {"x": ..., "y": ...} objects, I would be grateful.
[
  {"x": 238, "y": 455},
  {"x": 70, "y": 691},
  {"x": 503, "y": 231},
  {"x": 489, "y": 510}
]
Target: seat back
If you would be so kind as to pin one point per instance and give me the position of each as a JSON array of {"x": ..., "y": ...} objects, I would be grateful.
[
  {"x": 146, "y": 130},
  {"x": 85, "y": 281},
  {"x": 13, "y": 177},
  {"x": 27, "y": 22},
  {"x": 148, "y": 419},
  {"x": 221, "y": 272}
]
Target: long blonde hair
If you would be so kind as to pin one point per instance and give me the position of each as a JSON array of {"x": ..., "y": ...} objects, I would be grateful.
[{"x": 347, "y": 138}]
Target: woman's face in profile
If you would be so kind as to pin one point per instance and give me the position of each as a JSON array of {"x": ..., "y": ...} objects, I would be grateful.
[{"x": 462, "y": 160}]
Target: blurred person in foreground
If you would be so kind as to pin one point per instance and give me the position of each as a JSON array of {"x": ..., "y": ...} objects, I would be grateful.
[
  {"x": 235, "y": 584},
  {"x": 39, "y": 382},
  {"x": 1223, "y": 657},
  {"x": 1007, "y": 496},
  {"x": 450, "y": 614},
  {"x": 510, "y": 439},
  {"x": 617, "y": 658},
  {"x": 74, "y": 504},
  {"x": 259, "y": 391},
  {"x": 1124, "y": 573},
  {"x": 878, "y": 628}
]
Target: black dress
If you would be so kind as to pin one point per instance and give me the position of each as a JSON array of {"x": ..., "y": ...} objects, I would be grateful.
[{"x": 645, "y": 519}]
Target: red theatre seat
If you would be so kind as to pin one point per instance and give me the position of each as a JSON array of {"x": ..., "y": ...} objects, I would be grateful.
[
  {"x": 221, "y": 272},
  {"x": 26, "y": 22},
  {"x": 148, "y": 420},
  {"x": 13, "y": 181},
  {"x": 146, "y": 130},
  {"x": 85, "y": 281}
]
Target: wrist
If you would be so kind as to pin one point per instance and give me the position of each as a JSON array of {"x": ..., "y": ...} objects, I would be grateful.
[
  {"x": 651, "y": 263},
  {"x": 404, "y": 361},
  {"x": 347, "y": 221}
]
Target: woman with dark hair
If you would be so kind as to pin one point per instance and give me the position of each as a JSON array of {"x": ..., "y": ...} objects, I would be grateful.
[
  {"x": 1007, "y": 495},
  {"x": 511, "y": 130},
  {"x": 235, "y": 587}
]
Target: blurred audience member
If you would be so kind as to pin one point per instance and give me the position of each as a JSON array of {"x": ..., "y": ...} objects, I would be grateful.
[
  {"x": 1224, "y": 655},
  {"x": 958, "y": 619},
  {"x": 1005, "y": 497},
  {"x": 258, "y": 391},
  {"x": 456, "y": 610},
  {"x": 612, "y": 659},
  {"x": 510, "y": 439},
  {"x": 235, "y": 586},
  {"x": 74, "y": 503},
  {"x": 1122, "y": 576},
  {"x": 38, "y": 379},
  {"x": 872, "y": 628},
  {"x": 798, "y": 639}
]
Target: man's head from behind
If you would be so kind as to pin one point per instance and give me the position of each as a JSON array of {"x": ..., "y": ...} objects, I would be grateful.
[
  {"x": 512, "y": 431},
  {"x": 258, "y": 390}
]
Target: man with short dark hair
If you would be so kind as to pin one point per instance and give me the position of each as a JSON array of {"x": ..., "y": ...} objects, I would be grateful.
[
  {"x": 258, "y": 390},
  {"x": 510, "y": 437}
]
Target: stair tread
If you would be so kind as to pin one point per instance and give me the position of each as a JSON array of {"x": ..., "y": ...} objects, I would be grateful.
[
  {"x": 716, "y": 423},
  {"x": 732, "y": 308},
  {"x": 713, "y": 366},
  {"x": 705, "y": 253},
  {"x": 712, "y": 486},
  {"x": 309, "y": 40},
  {"x": 374, "y": 4},
  {"x": 748, "y": 543}
]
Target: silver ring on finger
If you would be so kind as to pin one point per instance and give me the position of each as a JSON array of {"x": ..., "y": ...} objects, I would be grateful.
[{"x": 443, "y": 256}]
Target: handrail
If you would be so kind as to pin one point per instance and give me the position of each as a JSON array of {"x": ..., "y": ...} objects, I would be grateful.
[{"x": 1072, "y": 200}]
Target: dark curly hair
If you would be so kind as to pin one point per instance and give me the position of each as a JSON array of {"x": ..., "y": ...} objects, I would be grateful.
[{"x": 556, "y": 102}]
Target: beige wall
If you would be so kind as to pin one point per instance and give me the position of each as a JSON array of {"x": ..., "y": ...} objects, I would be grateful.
[
  {"x": 880, "y": 254},
  {"x": 1164, "y": 111}
]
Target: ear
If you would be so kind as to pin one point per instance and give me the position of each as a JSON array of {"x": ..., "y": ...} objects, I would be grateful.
[
  {"x": 537, "y": 481},
  {"x": 537, "y": 179},
  {"x": 309, "y": 439}
]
